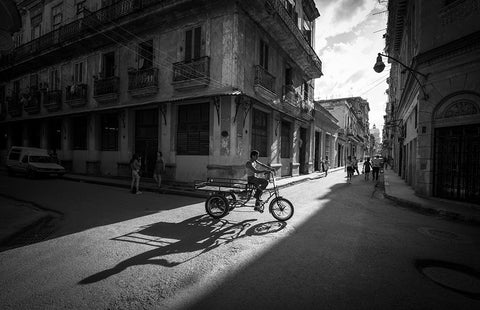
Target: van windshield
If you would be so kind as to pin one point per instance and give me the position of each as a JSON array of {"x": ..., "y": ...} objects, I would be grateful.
[{"x": 40, "y": 159}]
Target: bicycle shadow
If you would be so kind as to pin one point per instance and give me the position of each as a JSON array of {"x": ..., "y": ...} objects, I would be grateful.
[{"x": 199, "y": 234}]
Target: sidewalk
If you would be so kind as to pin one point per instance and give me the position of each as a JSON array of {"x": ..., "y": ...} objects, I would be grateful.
[{"x": 396, "y": 189}]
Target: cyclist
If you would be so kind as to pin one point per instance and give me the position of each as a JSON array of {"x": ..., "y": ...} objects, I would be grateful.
[{"x": 260, "y": 183}]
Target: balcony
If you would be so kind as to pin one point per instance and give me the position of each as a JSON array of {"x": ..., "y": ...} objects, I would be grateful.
[
  {"x": 264, "y": 83},
  {"x": 14, "y": 106},
  {"x": 106, "y": 90},
  {"x": 31, "y": 101},
  {"x": 275, "y": 19},
  {"x": 53, "y": 100},
  {"x": 76, "y": 95},
  {"x": 143, "y": 82},
  {"x": 192, "y": 74}
]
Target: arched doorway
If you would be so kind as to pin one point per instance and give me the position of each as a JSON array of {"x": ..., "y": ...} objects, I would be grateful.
[{"x": 457, "y": 148}]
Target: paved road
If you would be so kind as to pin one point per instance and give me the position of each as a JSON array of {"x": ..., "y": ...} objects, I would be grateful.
[{"x": 346, "y": 247}]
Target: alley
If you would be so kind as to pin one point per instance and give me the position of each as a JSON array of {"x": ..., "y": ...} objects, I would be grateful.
[{"x": 345, "y": 245}]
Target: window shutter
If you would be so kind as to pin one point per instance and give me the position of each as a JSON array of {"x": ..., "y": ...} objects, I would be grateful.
[
  {"x": 197, "y": 43},
  {"x": 188, "y": 45}
]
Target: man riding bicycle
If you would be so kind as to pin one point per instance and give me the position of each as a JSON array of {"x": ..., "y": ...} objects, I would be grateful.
[{"x": 260, "y": 183}]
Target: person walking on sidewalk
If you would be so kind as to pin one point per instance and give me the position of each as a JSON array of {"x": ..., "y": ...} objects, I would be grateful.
[
  {"x": 367, "y": 166},
  {"x": 260, "y": 183},
  {"x": 355, "y": 165},
  {"x": 326, "y": 165},
  {"x": 135, "y": 165},
  {"x": 159, "y": 169},
  {"x": 376, "y": 163},
  {"x": 349, "y": 169}
]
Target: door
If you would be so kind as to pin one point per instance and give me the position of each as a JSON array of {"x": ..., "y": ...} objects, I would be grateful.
[
  {"x": 146, "y": 139},
  {"x": 303, "y": 143},
  {"x": 317, "y": 151},
  {"x": 457, "y": 163}
]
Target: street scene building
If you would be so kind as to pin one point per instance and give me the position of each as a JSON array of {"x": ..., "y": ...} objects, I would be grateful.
[
  {"x": 202, "y": 82},
  {"x": 432, "y": 124},
  {"x": 353, "y": 138}
]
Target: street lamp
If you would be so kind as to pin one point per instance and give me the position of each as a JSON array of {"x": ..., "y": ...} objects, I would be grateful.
[{"x": 380, "y": 65}]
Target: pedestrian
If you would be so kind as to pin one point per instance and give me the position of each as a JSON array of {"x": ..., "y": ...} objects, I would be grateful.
[
  {"x": 159, "y": 169},
  {"x": 367, "y": 166},
  {"x": 376, "y": 163},
  {"x": 326, "y": 165},
  {"x": 355, "y": 165},
  {"x": 349, "y": 169},
  {"x": 135, "y": 165},
  {"x": 260, "y": 183}
]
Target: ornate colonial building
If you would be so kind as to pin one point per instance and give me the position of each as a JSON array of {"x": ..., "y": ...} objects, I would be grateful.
[
  {"x": 202, "y": 81},
  {"x": 432, "y": 124}
]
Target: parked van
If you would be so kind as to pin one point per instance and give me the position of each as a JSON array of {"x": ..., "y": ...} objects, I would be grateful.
[{"x": 32, "y": 162}]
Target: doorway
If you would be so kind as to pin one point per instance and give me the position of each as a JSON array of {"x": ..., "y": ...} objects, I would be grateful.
[
  {"x": 146, "y": 139},
  {"x": 302, "y": 148},
  {"x": 317, "y": 152},
  {"x": 457, "y": 163}
]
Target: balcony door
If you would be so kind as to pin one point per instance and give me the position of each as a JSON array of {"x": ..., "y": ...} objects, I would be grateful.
[
  {"x": 108, "y": 64},
  {"x": 146, "y": 139}
]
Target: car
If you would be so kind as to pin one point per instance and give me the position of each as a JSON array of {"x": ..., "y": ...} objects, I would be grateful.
[{"x": 32, "y": 162}]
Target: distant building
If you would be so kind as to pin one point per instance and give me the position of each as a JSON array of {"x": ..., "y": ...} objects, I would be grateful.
[
  {"x": 377, "y": 142},
  {"x": 432, "y": 126},
  {"x": 353, "y": 137},
  {"x": 205, "y": 82}
]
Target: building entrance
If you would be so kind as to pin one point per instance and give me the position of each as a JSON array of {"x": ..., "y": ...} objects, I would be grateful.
[
  {"x": 457, "y": 163},
  {"x": 146, "y": 139}
]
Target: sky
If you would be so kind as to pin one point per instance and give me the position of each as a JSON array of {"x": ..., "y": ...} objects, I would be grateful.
[{"x": 349, "y": 35}]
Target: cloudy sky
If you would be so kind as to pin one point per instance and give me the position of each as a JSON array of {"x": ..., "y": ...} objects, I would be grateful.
[{"x": 349, "y": 34}]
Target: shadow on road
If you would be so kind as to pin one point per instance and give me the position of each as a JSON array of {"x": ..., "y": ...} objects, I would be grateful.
[{"x": 199, "y": 235}]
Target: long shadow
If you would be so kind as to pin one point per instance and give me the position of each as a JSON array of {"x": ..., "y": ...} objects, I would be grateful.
[{"x": 199, "y": 235}]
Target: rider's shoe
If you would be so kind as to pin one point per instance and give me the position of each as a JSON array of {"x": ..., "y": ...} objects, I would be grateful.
[{"x": 258, "y": 206}]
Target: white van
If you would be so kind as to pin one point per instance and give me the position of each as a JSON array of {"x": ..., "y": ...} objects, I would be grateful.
[{"x": 32, "y": 162}]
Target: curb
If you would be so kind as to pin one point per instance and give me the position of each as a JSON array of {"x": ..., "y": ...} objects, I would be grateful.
[{"x": 431, "y": 211}]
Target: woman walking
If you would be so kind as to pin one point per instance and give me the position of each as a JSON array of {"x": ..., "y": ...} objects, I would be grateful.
[
  {"x": 349, "y": 169},
  {"x": 367, "y": 166},
  {"x": 135, "y": 165}
]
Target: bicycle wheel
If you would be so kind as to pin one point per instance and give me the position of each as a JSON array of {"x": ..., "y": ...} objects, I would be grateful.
[
  {"x": 281, "y": 209},
  {"x": 216, "y": 206}
]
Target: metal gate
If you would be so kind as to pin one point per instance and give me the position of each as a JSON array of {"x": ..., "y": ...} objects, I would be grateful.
[{"x": 457, "y": 163}]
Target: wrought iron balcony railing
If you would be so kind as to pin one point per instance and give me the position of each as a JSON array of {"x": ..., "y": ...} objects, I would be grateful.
[
  {"x": 264, "y": 78},
  {"x": 14, "y": 105},
  {"x": 142, "y": 78},
  {"x": 76, "y": 94},
  {"x": 53, "y": 100},
  {"x": 197, "y": 69},
  {"x": 105, "y": 86},
  {"x": 31, "y": 101}
]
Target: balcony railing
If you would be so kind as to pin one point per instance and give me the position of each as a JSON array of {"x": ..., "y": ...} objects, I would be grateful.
[
  {"x": 195, "y": 69},
  {"x": 53, "y": 100},
  {"x": 105, "y": 86},
  {"x": 142, "y": 78},
  {"x": 31, "y": 101},
  {"x": 264, "y": 78},
  {"x": 76, "y": 94}
]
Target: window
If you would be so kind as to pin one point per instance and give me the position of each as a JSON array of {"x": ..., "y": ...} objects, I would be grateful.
[
  {"x": 57, "y": 16},
  {"x": 79, "y": 72},
  {"x": 80, "y": 131},
  {"x": 108, "y": 65},
  {"x": 260, "y": 132},
  {"x": 307, "y": 30},
  {"x": 193, "y": 129},
  {"x": 81, "y": 5},
  {"x": 54, "y": 80},
  {"x": 193, "y": 43},
  {"x": 285, "y": 141},
  {"x": 305, "y": 90},
  {"x": 264, "y": 54},
  {"x": 109, "y": 132},
  {"x": 17, "y": 39},
  {"x": 34, "y": 82},
  {"x": 145, "y": 54},
  {"x": 36, "y": 22}
]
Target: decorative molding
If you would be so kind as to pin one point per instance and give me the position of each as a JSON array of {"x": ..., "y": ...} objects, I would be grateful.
[
  {"x": 458, "y": 11},
  {"x": 460, "y": 108}
]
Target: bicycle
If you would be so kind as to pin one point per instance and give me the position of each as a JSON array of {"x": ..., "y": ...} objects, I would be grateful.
[{"x": 228, "y": 194}]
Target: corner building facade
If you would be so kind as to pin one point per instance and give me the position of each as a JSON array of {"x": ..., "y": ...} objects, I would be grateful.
[
  {"x": 432, "y": 126},
  {"x": 204, "y": 82}
]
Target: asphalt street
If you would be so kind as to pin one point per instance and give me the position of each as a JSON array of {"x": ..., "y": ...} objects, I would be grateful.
[{"x": 345, "y": 248}]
